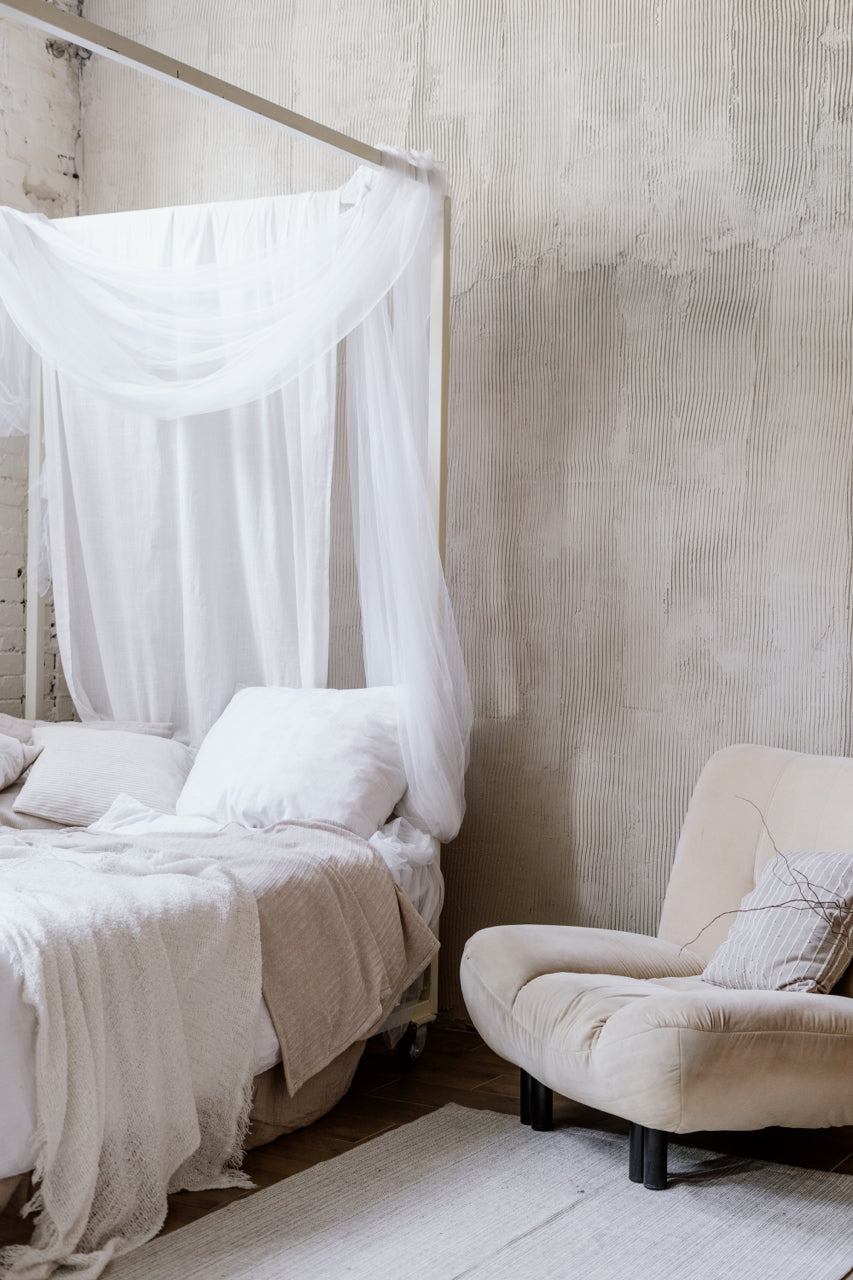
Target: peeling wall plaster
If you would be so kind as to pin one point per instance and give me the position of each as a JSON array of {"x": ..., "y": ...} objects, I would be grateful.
[
  {"x": 39, "y": 134},
  {"x": 651, "y": 437}
]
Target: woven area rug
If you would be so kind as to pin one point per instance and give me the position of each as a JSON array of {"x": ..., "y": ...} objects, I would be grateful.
[{"x": 477, "y": 1195}]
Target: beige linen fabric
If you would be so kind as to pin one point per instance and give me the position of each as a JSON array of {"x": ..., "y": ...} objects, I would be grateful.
[{"x": 340, "y": 941}]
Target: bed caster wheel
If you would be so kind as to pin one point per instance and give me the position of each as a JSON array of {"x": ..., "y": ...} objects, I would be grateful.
[{"x": 410, "y": 1046}]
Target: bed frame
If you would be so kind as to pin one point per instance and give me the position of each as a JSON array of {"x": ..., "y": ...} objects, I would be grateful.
[{"x": 71, "y": 29}]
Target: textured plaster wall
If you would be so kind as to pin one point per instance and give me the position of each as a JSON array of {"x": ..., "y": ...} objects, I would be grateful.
[
  {"x": 39, "y": 133},
  {"x": 651, "y": 427}
]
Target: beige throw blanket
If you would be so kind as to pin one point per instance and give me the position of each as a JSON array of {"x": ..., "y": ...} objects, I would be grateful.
[{"x": 340, "y": 942}]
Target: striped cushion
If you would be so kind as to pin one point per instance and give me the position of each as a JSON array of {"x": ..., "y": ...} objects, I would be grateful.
[
  {"x": 794, "y": 932},
  {"x": 81, "y": 771}
]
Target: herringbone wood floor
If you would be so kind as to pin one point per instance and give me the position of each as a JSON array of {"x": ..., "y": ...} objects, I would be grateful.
[{"x": 457, "y": 1067}]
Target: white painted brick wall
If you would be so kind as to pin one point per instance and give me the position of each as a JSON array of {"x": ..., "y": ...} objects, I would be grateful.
[{"x": 39, "y": 137}]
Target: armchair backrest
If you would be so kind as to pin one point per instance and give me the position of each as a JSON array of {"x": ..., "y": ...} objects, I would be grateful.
[{"x": 807, "y": 805}]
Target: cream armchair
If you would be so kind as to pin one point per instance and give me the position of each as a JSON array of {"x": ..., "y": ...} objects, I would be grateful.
[{"x": 624, "y": 1023}]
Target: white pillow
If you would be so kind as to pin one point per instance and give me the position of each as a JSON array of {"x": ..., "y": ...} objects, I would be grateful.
[
  {"x": 15, "y": 757},
  {"x": 280, "y": 754},
  {"x": 81, "y": 771}
]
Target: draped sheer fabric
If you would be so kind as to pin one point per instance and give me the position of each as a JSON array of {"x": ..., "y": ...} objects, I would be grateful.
[
  {"x": 177, "y": 339},
  {"x": 189, "y": 365}
]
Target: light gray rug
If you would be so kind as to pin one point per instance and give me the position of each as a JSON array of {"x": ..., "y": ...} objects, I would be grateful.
[{"x": 472, "y": 1194}]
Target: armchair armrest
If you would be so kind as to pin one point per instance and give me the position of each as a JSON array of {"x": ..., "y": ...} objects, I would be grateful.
[{"x": 513, "y": 955}]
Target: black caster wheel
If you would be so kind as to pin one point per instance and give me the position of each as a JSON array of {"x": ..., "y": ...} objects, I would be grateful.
[{"x": 410, "y": 1046}]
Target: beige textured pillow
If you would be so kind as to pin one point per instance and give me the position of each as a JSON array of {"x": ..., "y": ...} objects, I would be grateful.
[
  {"x": 794, "y": 932},
  {"x": 17, "y": 727},
  {"x": 81, "y": 771},
  {"x": 15, "y": 757}
]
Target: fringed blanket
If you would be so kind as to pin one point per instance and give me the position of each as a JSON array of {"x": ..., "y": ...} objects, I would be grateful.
[{"x": 144, "y": 970}]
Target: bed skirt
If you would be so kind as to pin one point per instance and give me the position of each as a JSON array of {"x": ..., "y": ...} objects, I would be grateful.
[{"x": 274, "y": 1112}]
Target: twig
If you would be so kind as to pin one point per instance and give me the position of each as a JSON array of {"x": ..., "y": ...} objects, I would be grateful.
[{"x": 829, "y": 909}]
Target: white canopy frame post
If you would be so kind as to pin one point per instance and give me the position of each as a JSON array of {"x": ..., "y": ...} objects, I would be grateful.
[
  {"x": 35, "y": 616},
  {"x": 426, "y": 1010},
  {"x": 88, "y": 35}
]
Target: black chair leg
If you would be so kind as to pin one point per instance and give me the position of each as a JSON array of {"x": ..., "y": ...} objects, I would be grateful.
[
  {"x": 636, "y": 1152},
  {"x": 647, "y": 1151},
  {"x": 526, "y": 1090},
  {"x": 654, "y": 1159},
  {"x": 541, "y": 1107}
]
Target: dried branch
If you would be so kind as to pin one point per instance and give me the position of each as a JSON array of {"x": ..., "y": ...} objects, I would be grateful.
[{"x": 831, "y": 909}]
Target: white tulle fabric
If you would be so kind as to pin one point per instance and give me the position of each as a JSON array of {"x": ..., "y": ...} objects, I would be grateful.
[{"x": 189, "y": 364}]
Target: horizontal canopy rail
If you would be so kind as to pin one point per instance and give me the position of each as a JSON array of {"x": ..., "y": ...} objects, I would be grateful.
[{"x": 88, "y": 35}]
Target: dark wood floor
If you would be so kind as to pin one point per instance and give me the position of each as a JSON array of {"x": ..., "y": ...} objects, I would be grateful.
[{"x": 457, "y": 1067}]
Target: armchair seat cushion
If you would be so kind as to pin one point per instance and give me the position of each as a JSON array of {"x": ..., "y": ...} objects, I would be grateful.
[{"x": 624, "y": 1023}]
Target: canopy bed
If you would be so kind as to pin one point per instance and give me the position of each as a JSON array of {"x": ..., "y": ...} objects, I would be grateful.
[{"x": 180, "y": 393}]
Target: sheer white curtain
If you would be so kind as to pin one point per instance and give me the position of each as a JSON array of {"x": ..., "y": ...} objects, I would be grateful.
[
  {"x": 190, "y": 555},
  {"x": 189, "y": 364}
]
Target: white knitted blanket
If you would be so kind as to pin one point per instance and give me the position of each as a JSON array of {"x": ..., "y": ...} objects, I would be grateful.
[{"x": 144, "y": 969}]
